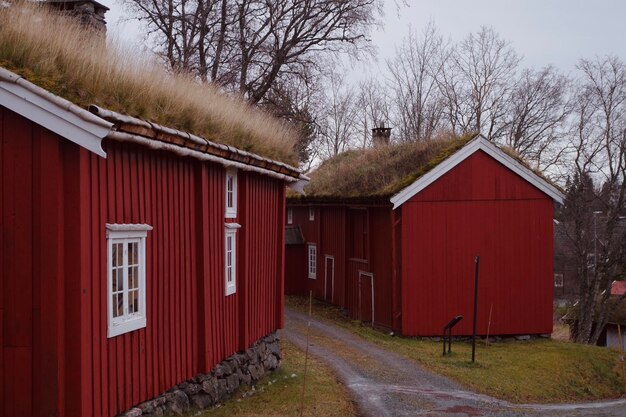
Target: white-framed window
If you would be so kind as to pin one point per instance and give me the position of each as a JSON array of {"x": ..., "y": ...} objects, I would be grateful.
[
  {"x": 230, "y": 257},
  {"x": 558, "y": 280},
  {"x": 126, "y": 277},
  {"x": 290, "y": 216},
  {"x": 311, "y": 213},
  {"x": 231, "y": 193},
  {"x": 312, "y": 260}
]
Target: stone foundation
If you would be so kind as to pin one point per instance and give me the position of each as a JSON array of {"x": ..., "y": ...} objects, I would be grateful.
[{"x": 205, "y": 391}]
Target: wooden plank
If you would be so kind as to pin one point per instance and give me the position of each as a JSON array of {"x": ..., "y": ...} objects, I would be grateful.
[
  {"x": 17, "y": 291},
  {"x": 18, "y": 365},
  {"x": 3, "y": 168}
]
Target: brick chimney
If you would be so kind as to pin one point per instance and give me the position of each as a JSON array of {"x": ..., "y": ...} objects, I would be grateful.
[
  {"x": 90, "y": 13},
  {"x": 381, "y": 135}
]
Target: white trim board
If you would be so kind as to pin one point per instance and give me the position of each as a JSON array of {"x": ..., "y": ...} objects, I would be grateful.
[
  {"x": 476, "y": 144},
  {"x": 52, "y": 112}
]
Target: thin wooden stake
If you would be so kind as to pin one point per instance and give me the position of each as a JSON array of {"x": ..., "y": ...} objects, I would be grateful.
[
  {"x": 306, "y": 354},
  {"x": 489, "y": 324},
  {"x": 621, "y": 343}
]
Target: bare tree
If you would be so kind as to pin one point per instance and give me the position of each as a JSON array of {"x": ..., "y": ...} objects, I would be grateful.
[
  {"x": 475, "y": 78},
  {"x": 417, "y": 99},
  {"x": 535, "y": 119},
  {"x": 373, "y": 108},
  {"x": 249, "y": 45},
  {"x": 597, "y": 193},
  {"x": 337, "y": 122}
]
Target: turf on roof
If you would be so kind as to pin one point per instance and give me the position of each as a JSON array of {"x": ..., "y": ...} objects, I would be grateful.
[
  {"x": 55, "y": 53},
  {"x": 380, "y": 171}
]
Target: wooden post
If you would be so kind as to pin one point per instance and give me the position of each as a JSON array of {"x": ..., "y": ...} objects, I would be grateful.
[
  {"x": 306, "y": 354},
  {"x": 621, "y": 344},
  {"x": 489, "y": 324},
  {"x": 477, "y": 261}
]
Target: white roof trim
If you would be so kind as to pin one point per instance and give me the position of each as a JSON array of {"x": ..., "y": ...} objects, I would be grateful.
[
  {"x": 476, "y": 144},
  {"x": 52, "y": 112}
]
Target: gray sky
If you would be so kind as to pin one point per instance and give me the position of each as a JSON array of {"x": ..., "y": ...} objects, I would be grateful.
[{"x": 557, "y": 32}]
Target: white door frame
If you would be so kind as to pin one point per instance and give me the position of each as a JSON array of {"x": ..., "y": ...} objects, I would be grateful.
[
  {"x": 369, "y": 275},
  {"x": 332, "y": 282}
]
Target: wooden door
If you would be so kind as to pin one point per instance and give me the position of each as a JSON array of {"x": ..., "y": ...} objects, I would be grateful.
[
  {"x": 329, "y": 278},
  {"x": 366, "y": 297}
]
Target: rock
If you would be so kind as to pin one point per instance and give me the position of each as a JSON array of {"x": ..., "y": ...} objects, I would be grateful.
[
  {"x": 202, "y": 401},
  {"x": 523, "y": 337},
  {"x": 177, "y": 402},
  {"x": 254, "y": 373},
  {"x": 192, "y": 389},
  {"x": 222, "y": 390},
  {"x": 275, "y": 349},
  {"x": 133, "y": 412},
  {"x": 233, "y": 382},
  {"x": 147, "y": 407}
]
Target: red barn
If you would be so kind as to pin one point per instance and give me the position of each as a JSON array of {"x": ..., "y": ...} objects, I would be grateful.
[
  {"x": 391, "y": 234},
  {"x": 133, "y": 257}
]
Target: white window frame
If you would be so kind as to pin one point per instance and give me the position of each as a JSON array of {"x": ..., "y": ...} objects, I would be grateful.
[
  {"x": 231, "y": 211},
  {"x": 125, "y": 234},
  {"x": 289, "y": 215},
  {"x": 230, "y": 285},
  {"x": 312, "y": 260},
  {"x": 558, "y": 280},
  {"x": 311, "y": 213}
]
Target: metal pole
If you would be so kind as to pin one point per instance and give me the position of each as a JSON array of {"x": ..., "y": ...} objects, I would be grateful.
[
  {"x": 477, "y": 261},
  {"x": 595, "y": 244}
]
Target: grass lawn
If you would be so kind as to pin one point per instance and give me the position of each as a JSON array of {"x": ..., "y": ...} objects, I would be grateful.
[
  {"x": 540, "y": 370},
  {"x": 278, "y": 394}
]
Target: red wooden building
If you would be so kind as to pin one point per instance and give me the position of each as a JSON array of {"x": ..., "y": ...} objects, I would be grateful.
[
  {"x": 132, "y": 256},
  {"x": 391, "y": 234}
]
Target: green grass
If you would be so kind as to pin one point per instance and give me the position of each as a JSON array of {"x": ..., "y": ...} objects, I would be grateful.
[
  {"x": 540, "y": 370},
  {"x": 278, "y": 394}
]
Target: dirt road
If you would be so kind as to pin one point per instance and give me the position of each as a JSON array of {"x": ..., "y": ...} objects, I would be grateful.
[{"x": 384, "y": 384}]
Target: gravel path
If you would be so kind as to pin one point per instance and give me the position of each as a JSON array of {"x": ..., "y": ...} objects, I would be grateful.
[{"x": 384, "y": 384}]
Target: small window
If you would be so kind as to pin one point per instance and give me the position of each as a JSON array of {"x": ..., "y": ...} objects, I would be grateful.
[
  {"x": 558, "y": 280},
  {"x": 126, "y": 277},
  {"x": 311, "y": 213},
  {"x": 312, "y": 261},
  {"x": 230, "y": 259},
  {"x": 289, "y": 216},
  {"x": 231, "y": 194}
]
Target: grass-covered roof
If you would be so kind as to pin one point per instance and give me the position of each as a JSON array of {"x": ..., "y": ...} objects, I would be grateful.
[
  {"x": 381, "y": 171},
  {"x": 57, "y": 54}
]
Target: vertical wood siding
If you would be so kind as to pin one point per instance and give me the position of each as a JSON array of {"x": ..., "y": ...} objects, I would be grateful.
[
  {"x": 55, "y": 199},
  {"x": 479, "y": 208}
]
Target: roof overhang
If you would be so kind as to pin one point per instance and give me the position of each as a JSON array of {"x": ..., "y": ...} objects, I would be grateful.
[
  {"x": 52, "y": 112},
  {"x": 479, "y": 143}
]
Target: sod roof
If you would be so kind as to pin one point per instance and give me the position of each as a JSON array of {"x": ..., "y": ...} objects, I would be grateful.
[
  {"x": 379, "y": 172},
  {"x": 55, "y": 53}
]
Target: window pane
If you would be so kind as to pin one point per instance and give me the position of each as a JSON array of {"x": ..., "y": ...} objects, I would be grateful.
[
  {"x": 120, "y": 254},
  {"x": 134, "y": 300},
  {"x": 118, "y": 305},
  {"x": 114, "y": 279},
  {"x": 133, "y": 255},
  {"x": 120, "y": 279},
  {"x": 133, "y": 275}
]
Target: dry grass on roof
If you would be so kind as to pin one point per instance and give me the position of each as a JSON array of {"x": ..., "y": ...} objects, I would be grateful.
[
  {"x": 54, "y": 53},
  {"x": 381, "y": 171}
]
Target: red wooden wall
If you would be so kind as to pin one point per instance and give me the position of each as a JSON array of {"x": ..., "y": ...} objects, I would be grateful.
[
  {"x": 56, "y": 199},
  {"x": 478, "y": 208},
  {"x": 358, "y": 240}
]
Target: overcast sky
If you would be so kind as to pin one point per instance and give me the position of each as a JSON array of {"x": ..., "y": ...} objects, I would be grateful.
[{"x": 557, "y": 32}]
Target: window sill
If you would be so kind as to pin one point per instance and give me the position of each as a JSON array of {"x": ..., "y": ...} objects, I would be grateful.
[{"x": 126, "y": 326}]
